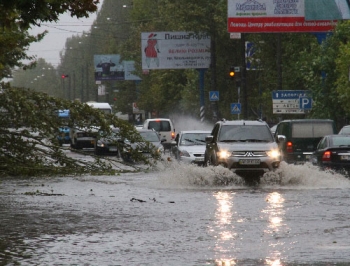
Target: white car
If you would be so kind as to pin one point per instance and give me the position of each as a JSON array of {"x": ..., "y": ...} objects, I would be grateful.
[
  {"x": 345, "y": 130},
  {"x": 273, "y": 129},
  {"x": 189, "y": 146}
]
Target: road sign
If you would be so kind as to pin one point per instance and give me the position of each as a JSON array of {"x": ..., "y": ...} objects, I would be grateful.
[
  {"x": 291, "y": 101},
  {"x": 213, "y": 95},
  {"x": 235, "y": 108},
  {"x": 289, "y": 94},
  {"x": 305, "y": 103},
  {"x": 235, "y": 35}
]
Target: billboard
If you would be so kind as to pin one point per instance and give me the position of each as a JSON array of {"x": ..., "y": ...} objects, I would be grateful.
[
  {"x": 327, "y": 9},
  {"x": 257, "y": 16},
  {"x": 109, "y": 67},
  {"x": 175, "y": 50}
]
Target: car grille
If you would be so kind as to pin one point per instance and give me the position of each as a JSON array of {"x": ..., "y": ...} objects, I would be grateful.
[
  {"x": 249, "y": 154},
  {"x": 260, "y": 166},
  {"x": 198, "y": 154}
]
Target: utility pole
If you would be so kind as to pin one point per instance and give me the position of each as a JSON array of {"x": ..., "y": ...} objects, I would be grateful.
[
  {"x": 82, "y": 85},
  {"x": 279, "y": 61},
  {"x": 243, "y": 78},
  {"x": 73, "y": 86}
]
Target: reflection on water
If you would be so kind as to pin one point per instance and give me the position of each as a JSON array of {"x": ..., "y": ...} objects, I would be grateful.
[
  {"x": 224, "y": 228},
  {"x": 276, "y": 227},
  {"x": 231, "y": 219}
]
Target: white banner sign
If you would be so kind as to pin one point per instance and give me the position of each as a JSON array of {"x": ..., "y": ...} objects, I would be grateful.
[
  {"x": 101, "y": 90},
  {"x": 175, "y": 50}
]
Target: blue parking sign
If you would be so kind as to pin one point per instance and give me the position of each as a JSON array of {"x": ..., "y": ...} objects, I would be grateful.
[{"x": 305, "y": 103}]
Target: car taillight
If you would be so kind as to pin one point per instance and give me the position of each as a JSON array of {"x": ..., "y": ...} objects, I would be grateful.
[
  {"x": 326, "y": 157},
  {"x": 172, "y": 135},
  {"x": 289, "y": 146}
]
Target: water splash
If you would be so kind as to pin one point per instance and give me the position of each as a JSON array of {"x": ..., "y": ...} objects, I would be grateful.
[
  {"x": 181, "y": 174},
  {"x": 305, "y": 175},
  {"x": 174, "y": 173}
]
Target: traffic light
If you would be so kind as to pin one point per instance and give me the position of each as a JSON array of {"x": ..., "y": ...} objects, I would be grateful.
[
  {"x": 64, "y": 76},
  {"x": 232, "y": 72}
]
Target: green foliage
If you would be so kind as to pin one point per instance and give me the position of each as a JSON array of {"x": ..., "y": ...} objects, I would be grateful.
[
  {"x": 33, "y": 12},
  {"x": 29, "y": 129},
  {"x": 339, "y": 49},
  {"x": 17, "y": 16}
]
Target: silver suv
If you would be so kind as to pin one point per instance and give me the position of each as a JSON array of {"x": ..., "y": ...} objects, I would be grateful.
[{"x": 243, "y": 147}]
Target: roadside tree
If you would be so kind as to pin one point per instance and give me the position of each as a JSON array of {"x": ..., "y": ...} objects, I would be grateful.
[{"x": 29, "y": 135}]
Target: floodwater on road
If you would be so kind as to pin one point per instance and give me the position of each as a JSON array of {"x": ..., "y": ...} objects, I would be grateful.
[{"x": 177, "y": 215}]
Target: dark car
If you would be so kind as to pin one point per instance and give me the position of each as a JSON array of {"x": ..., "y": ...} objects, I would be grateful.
[
  {"x": 152, "y": 137},
  {"x": 243, "y": 147},
  {"x": 333, "y": 152},
  {"x": 108, "y": 144},
  {"x": 150, "y": 146},
  {"x": 298, "y": 139}
]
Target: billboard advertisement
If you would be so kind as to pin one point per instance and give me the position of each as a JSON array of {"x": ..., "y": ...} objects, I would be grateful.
[
  {"x": 175, "y": 50},
  {"x": 327, "y": 9},
  {"x": 109, "y": 67},
  {"x": 258, "y": 16}
]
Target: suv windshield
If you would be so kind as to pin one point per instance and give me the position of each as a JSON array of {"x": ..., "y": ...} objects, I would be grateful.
[{"x": 245, "y": 133}]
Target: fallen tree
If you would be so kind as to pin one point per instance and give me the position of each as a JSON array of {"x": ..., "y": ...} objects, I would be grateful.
[{"x": 29, "y": 127}]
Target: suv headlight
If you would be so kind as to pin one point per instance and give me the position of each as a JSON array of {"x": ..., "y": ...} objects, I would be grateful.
[
  {"x": 223, "y": 154},
  {"x": 274, "y": 153}
]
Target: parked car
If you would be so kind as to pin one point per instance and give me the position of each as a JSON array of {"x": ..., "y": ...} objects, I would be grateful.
[
  {"x": 298, "y": 138},
  {"x": 243, "y": 147},
  {"x": 109, "y": 144},
  {"x": 164, "y": 127},
  {"x": 84, "y": 137},
  {"x": 189, "y": 146},
  {"x": 333, "y": 152},
  {"x": 345, "y": 130}
]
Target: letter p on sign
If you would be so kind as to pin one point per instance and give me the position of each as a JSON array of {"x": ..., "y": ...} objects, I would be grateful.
[{"x": 305, "y": 103}]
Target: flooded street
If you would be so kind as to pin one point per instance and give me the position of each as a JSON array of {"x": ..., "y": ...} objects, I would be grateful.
[{"x": 177, "y": 215}]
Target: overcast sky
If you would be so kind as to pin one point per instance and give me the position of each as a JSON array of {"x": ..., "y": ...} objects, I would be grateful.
[{"x": 54, "y": 42}]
